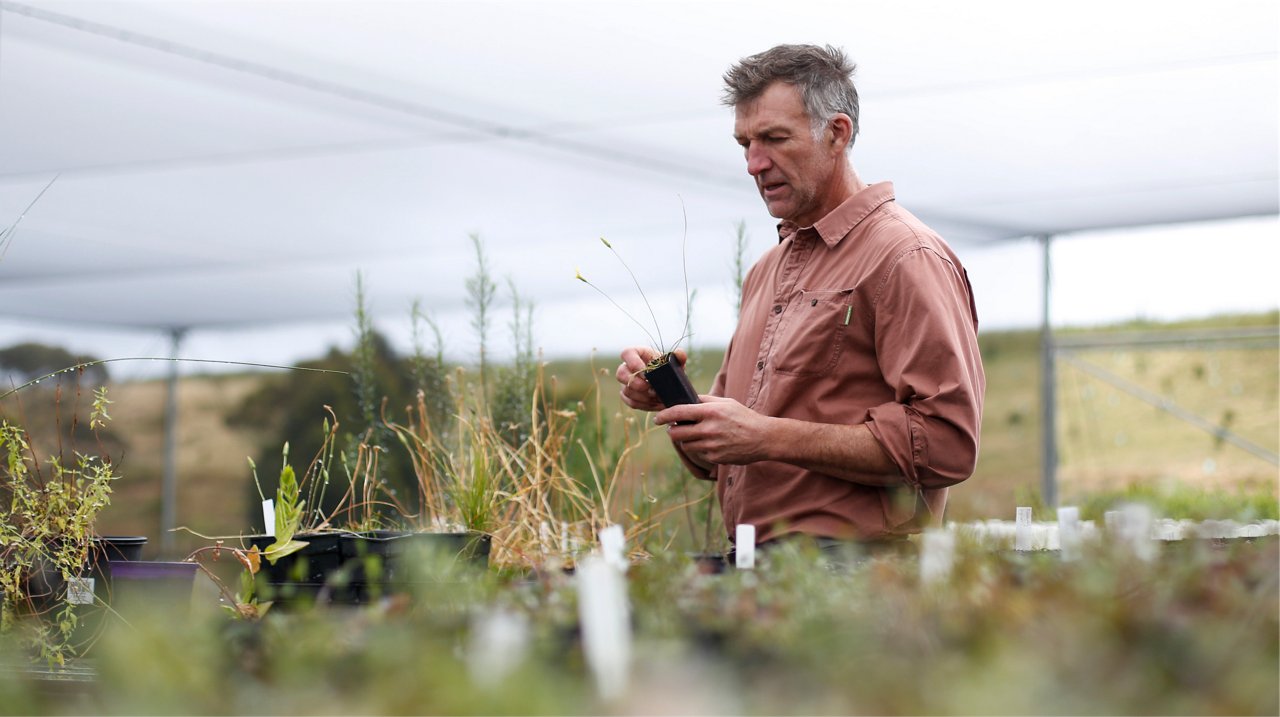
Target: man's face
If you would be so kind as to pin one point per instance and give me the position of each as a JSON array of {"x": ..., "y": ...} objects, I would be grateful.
[{"x": 792, "y": 170}]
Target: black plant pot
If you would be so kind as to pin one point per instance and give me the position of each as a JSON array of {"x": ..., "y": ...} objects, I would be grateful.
[
  {"x": 304, "y": 576},
  {"x": 120, "y": 547},
  {"x": 669, "y": 381},
  {"x": 47, "y": 589},
  {"x": 710, "y": 563},
  {"x": 354, "y": 568},
  {"x": 321, "y": 556},
  {"x": 90, "y": 593},
  {"x": 382, "y": 561}
]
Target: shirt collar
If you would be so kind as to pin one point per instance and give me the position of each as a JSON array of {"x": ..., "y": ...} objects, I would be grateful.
[{"x": 836, "y": 225}]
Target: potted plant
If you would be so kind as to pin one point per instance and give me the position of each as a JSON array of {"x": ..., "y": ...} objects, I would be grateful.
[
  {"x": 51, "y": 569},
  {"x": 350, "y": 554},
  {"x": 300, "y": 557}
]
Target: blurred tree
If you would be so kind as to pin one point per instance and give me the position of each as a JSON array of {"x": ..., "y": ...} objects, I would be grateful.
[
  {"x": 290, "y": 408},
  {"x": 24, "y": 362},
  {"x": 55, "y": 412}
]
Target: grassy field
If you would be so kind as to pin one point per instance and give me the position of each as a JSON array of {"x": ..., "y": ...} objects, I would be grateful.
[{"x": 1111, "y": 443}]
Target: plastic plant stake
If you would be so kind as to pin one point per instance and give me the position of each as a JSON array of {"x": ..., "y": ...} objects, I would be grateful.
[
  {"x": 269, "y": 516},
  {"x": 744, "y": 547},
  {"x": 1112, "y": 519},
  {"x": 1022, "y": 529},
  {"x": 498, "y": 644},
  {"x": 606, "y": 624},
  {"x": 613, "y": 547},
  {"x": 1135, "y": 531},
  {"x": 564, "y": 538},
  {"x": 937, "y": 555},
  {"x": 1069, "y": 532}
]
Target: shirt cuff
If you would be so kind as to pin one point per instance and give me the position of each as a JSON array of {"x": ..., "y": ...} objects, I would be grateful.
[{"x": 900, "y": 431}]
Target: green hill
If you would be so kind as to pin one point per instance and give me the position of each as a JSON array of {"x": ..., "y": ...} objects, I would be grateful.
[{"x": 1112, "y": 444}]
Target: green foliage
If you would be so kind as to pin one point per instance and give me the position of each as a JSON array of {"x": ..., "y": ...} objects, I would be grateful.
[
  {"x": 289, "y": 507},
  {"x": 1186, "y": 502},
  {"x": 365, "y": 363},
  {"x": 512, "y": 402},
  {"x": 1193, "y": 632},
  {"x": 481, "y": 293},
  {"x": 47, "y": 516},
  {"x": 430, "y": 374}
]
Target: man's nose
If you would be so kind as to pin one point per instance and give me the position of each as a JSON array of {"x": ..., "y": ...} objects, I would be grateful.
[{"x": 757, "y": 160}]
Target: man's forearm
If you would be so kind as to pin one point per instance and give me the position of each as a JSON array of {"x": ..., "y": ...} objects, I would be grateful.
[{"x": 848, "y": 452}]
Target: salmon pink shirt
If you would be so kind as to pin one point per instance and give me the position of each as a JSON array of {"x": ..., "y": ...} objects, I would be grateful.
[{"x": 865, "y": 317}]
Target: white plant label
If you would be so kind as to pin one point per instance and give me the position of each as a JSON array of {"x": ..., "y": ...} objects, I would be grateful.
[
  {"x": 269, "y": 516},
  {"x": 1112, "y": 520},
  {"x": 606, "y": 624},
  {"x": 498, "y": 644},
  {"x": 1135, "y": 531},
  {"x": 937, "y": 556},
  {"x": 1022, "y": 529},
  {"x": 1069, "y": 532},
  {"x": 613, "y": 546},
  {"x": 744, "y": 547},
  {"x": 80, "y": 591}
]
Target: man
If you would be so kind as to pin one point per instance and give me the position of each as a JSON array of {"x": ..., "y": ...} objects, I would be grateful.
[{"x": 851, "y": 392}]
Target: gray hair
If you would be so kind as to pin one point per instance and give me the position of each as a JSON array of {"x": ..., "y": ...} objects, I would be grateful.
[{"x": 824, "y": 76}]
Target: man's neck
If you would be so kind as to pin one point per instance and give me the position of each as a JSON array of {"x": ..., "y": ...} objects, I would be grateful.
[{"x": 844, "y": 184}]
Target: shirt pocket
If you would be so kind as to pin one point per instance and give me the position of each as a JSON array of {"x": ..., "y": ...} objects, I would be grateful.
[{"x": 813, "y": 333}]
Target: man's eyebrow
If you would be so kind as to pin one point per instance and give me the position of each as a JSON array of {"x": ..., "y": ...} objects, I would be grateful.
[{"x": 768, "y": 130}]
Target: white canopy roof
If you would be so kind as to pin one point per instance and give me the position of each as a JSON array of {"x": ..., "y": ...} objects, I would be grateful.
[{"x": 232, "y": 163}]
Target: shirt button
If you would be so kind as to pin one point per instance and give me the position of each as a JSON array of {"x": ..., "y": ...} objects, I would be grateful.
[
  {"x": 759, "y": 365},
  {"x": 777, "y": 308},
  {"x": 730, "y": 481}
]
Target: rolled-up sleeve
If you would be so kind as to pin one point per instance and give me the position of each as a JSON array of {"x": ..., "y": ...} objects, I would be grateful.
[{"x": 926, "y": 343}]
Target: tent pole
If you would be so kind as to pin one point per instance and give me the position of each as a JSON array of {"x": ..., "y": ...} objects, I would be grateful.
[
  {"x": 169, "y": 488},
  {"x": 1048, "y": 378}
]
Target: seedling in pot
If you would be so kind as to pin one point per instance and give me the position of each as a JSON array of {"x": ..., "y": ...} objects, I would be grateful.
[{"x": 665, "y": 373}]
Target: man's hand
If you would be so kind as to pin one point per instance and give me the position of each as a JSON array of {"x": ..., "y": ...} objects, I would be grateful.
[
  {"x": 718, "y": 431},
  {"x": 725, "y": 432},
  {"x": 636, "y": 391}
]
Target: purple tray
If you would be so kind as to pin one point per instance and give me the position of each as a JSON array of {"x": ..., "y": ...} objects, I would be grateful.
[{"x": 152, "y": 570}]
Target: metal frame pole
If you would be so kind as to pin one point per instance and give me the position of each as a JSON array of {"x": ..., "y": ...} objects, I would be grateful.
[
  {"x": 169, "y": 486},
  {"x": 1048, "y": 386}
]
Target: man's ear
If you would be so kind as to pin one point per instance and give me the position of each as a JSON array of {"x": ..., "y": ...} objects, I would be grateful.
[{"x": 841, "y": 129}]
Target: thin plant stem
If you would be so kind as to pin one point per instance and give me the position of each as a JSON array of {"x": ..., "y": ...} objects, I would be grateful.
[
  {"x": 684, "y": 268},
  {"x": 652, "y": 315},
  {"x": 657, "y": 344}
]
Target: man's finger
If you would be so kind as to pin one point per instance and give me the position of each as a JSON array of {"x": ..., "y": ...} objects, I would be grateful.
[{"x": 684, "y": 413}]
